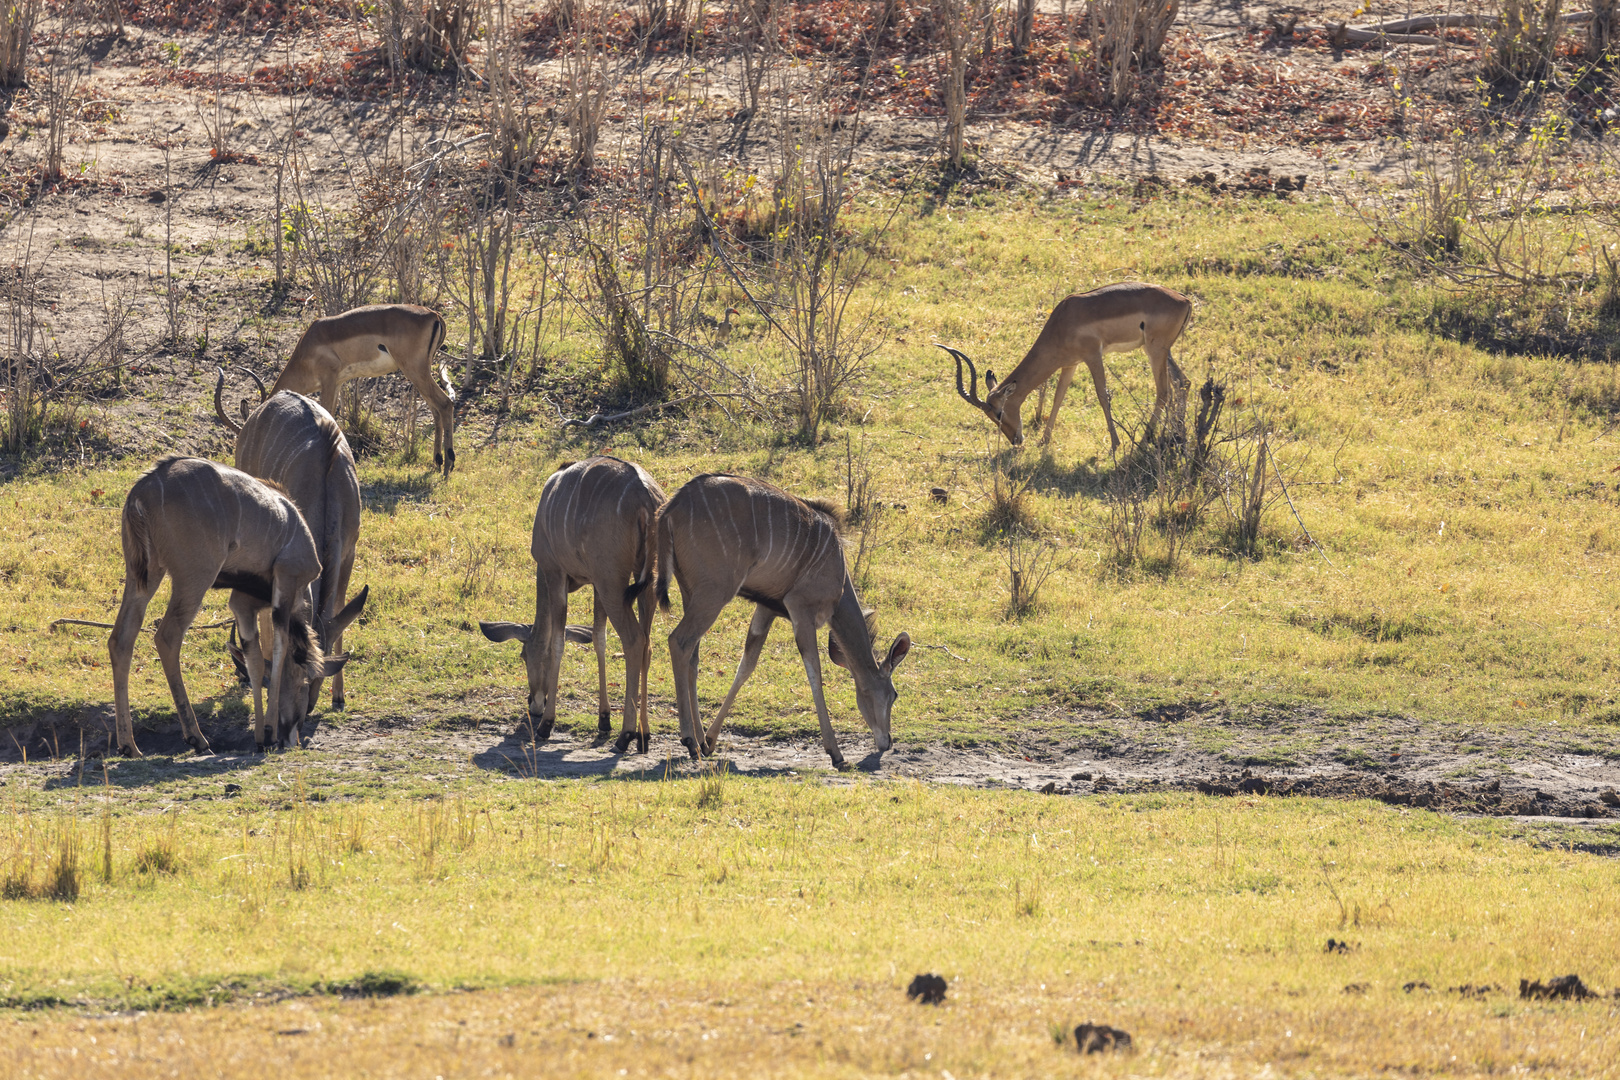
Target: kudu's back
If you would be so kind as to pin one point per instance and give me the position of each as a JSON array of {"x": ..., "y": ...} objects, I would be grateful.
[{"x": 294, "y": 442}]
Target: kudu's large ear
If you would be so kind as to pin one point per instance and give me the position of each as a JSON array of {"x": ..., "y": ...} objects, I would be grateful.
[
  {"x": 351, "y": 611},
  {"x": 897, "y": 652},
  {"x": 835, "y": 653},
  {"x": 506, "y": 631},
  {"x": 329, "y": 666},
  {"x": 579, "y": 635}
]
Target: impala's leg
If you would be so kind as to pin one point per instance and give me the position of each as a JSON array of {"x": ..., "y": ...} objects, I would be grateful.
[
  {"x": 444, "y": 416},
  {"x": 599, "y": 641},
  {"x": 804, "y": 634},
  {"x": 697, "y": 615},
  {"x": 1099, "y": 377},
  {"x": 757, "y": 629},
  {"x": 247, "y": 610},
  {"x": 1065, "y": 376},
  {"x": 184, "y": 602},
  {"x": 121, "y": 649}
]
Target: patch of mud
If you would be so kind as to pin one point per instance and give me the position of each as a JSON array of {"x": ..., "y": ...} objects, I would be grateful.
[{"x": 1519, "y": 773}]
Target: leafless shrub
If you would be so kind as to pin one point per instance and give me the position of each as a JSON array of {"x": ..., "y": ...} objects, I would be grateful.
[
  {"x": 758, "y": 32},
  {"x": 955, "y": 21},
  {"x": 1600, "y": 43},
  {"x": 1127, "y": 37},
  {"x": 1031, "y": 559},
  {"x": 57, "y": 80},
  {"x": 1521, "y": 45},
  {"x": 820, "y": 261},
  {"x": 428, "y": 34},
  {"x": 1004, "y": 481},
  {"x": 26, "y": 360},
  {"x": 218, "y": 115},
  {"x": 338, "y": 250},
  {"x": 586, "y": 82},
  {"x": 16, "y": 32},
  {"x": 1023, "y": 26},
  {"x": 860, "y": 494},
  {"x": 1126, "y": 495}
]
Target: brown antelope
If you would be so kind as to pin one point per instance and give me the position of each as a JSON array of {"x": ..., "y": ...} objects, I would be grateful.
[
  {"x": 208, "y": 526},
  {"x": 593, "y": 527},
  {"x": 295, "y": 443},
  {"x": 725, "y": 536},
  {"x": 1115, "y": 318},
  {"x": 370, "y": 341}
]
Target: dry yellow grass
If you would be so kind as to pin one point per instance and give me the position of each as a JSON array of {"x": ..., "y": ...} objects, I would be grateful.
[{"x": 789, "y": 1027}]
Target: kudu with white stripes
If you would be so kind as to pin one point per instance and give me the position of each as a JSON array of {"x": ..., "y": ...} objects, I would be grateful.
[
  {"x": 295, "y": 443},
  {"x": 725, "y": 536},
  {"x": 593, "y": 527},
  {"x": 208, "y": 526}
]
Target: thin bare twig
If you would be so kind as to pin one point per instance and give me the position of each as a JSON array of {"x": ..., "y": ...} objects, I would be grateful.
[{"x": 108, "y": 626}]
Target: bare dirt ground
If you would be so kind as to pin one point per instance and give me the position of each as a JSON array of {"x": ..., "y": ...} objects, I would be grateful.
[{"x": 1519, "y": 773}]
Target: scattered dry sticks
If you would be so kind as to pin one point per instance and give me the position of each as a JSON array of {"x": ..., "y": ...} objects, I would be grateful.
[
  {"x": 1402, "y": 31},
  {"x": 108, "y": 626}
]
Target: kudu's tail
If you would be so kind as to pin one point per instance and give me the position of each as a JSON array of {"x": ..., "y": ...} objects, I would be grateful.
[
  {"x": 646, "y": 561},
  {"x": 137, "y": 539},
  {"x": 666, "y": 555}
]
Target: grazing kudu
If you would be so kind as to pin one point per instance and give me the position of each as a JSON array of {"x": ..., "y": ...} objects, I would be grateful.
[
  {"x": 593, "y": 527},
  {"x": 369, "y": 341},
  {"x": 294, "y": 442},
  {"x": 1116, "y": 318},
  {"x": 208, "y": 526},
  {"x": 725, "y": 536}
]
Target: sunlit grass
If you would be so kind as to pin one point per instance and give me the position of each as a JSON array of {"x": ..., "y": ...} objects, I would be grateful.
[{"x": 1462, "y": 500}]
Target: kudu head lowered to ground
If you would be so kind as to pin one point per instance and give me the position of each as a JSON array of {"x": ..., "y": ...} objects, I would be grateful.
[
  {"x": 207, "y": 526},
  {"x": 593, "y": 527},
  {"x": 293, "y": 442},
  {"x": 725, "y": 536}
]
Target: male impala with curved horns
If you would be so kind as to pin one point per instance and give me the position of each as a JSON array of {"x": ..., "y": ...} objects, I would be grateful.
[
  {"x": 368, "y": 341},
  {"x": 1116, "y": 318}
]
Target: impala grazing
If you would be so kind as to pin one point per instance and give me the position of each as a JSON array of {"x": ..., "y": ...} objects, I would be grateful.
[
  {"x": 208, "y": 526},
  {"x": 1115, "y": 318},
  {"x": 370, "y": 341},
  {"x": 725, "y": 536},
  {"x": 295, "y": 443},
  {"x": 593, "y": 527}
]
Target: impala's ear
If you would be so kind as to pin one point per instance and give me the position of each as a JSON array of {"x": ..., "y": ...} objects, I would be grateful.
[
  {"x": 579, "y": 635},
  {"x": 1009, "y": 386},
  {"x": 897, "y": 652},
  {"x": 506, "y": 631},
  {"x": 989, "y": 380},
  {"x": 835, "y": 653}
]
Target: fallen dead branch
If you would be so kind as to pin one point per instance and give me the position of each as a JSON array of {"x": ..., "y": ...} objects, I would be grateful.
[
  {"x": 1404, "y": 31},
  {"x": 108, "y": 626}
]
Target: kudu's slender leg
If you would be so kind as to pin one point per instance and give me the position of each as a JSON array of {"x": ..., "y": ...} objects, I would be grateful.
[
  {"x": 697, "y": 615},
  {"x": 635, "y": 654},
  {"x": 550, "y": 637},
  {"x": 335, "y": 646},
  {"x": 121, "y": 650},
  {"x": 599, "y": 613},
  {"x": 758, "y": 628},
  {"x": 644, "y": 607},
  {"x": 247, "y": 611},
  {"x": 184, "y": 603},
  {"x": 804, "y": 634}
]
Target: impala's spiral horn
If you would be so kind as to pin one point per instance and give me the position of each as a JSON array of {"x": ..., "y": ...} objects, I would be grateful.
[{"x": 961, "y": 358}]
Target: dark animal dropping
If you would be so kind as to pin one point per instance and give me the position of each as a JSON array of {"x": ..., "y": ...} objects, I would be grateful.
[
  {"x": 927, "y": 989},
  {"x": 1098, "y": 1038},
  {"x": 1568, "y": 987}
]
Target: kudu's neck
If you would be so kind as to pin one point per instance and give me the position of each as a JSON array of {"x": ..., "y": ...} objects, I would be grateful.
[{"x": 848, "y": 624}]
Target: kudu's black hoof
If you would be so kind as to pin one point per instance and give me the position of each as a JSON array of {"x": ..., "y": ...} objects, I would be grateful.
[
  {"x": 692, "y": 748},
  {"x": 622, "y": 743},
  {"x": 199, "y": 745},
  {"x": 604, "y": 726},
  {"x": 840, "y": 764},
  {"x": 338, "y": 704}
]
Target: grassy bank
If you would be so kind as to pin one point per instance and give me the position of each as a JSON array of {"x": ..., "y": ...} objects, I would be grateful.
[
  {"x": 1462, "y": 501},
  {"x": 752, "y": 906}
]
